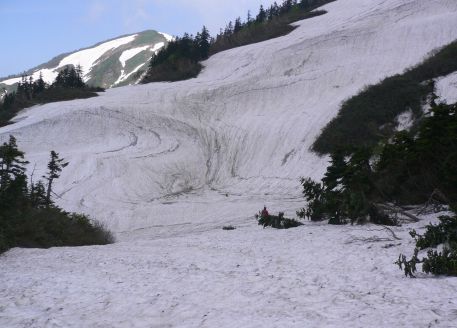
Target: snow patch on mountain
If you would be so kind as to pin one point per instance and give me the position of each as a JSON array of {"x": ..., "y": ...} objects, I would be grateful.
[
  {"x": 124, "y": 76},
  {"x": 405, "y": 120},
  {"x": 167, "y": 36},
  {"x": 87, "y": 58},
  {"x": 126, "y": 55},
  {"x": 446, "y": 88},
  {"x": 3, "y": 93},
  {"x": 157, "y": 47},
  {"x": 48, "y": 75}
]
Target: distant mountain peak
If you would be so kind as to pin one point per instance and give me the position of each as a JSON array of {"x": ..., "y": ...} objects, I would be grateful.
[{"x": 107, "y": 64}]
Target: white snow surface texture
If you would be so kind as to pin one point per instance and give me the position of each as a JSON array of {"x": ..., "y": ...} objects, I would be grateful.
[
  {"x": 446, "y": 88},
  {"x": 166, "y": 165}
]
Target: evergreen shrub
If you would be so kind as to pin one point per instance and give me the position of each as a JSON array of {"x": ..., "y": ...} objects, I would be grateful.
[
  {"x": 436, "y": 262},
  {"x": 28, "y": 215},
  {"x": 378, "y": 106},
  {"x": 277, "y": 221}
]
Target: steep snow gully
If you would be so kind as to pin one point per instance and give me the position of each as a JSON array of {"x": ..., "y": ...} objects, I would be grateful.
[{"x": 165, "y": 165}]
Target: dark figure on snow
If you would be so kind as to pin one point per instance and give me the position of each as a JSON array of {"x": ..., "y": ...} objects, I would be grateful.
[{"x": 264, "y": 214}]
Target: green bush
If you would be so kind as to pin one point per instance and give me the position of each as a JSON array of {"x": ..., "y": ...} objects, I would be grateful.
[
  {"x": 408, "y": 169},
  {"x": 173, "y": 70},
  {"x": 413, "y": 165},
  {"x": 29, "y": 217},
  {"x": 347, "y": 193},
  {"x": 277, "y": 222},
  {"x": 51, "y": 227},
  {"x": 444, "y": 232},
  {"x": 441, "y": 263},
  {"x": 438, "y": 263}
]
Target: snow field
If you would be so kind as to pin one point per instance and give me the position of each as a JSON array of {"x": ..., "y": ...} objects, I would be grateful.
[
  {"x": 314, "y": 276},
  {"x": 166, "y": 165}
]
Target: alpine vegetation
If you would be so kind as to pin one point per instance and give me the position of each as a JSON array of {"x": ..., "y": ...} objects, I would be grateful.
[
  {"x": 277, "y": 221},
  {"x": 180, "y": 59},
  {"x": 361, "y": 182},
  {"x": 438, "y": 262},
  {"x": 28, "y": 214},
  {"x": 379, "y": 105},
  {"x": 269, "y": 23},
  {"x": 68, "y": 85}
]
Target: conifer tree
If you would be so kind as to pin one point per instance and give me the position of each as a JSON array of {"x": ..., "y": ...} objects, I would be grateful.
[
  {"x": 286, "y": 6},
  {"x": 8, "y": 101},
  {"x": 203, "y": 42},
  {"x": 229, "y": 29},
  {"x": 262, "y": 16},
  {"x": 249, "y": 18},
  {"x": 38, "y": 195},
  {"x": 12, "y": 163},
  {"x": 275, "y": 9},
  {"x": 13, "y": 181},
  {"x": 55, "y": 166},
  {"x": 238, "y": 25},
  {"x": 39, "y": 85},
  {"x": 69, "y": 77},
  {"x": 335, "y": 171}
]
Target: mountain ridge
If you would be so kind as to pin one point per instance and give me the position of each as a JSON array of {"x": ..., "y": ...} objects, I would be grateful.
[{"x": 110, "y": 74}]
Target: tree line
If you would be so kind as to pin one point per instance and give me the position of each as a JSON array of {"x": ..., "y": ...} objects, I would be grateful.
[
  {"x": 269, "y": 23},
  {"x": 69, "y": 84},
  {"x": 180, "y": 60}
]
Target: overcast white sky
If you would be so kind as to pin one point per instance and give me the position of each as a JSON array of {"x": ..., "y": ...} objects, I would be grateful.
[{"x": 34, "y": 31}]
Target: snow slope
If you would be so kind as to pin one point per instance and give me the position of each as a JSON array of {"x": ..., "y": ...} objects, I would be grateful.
[
  {"x": 166, "y": 165},
  {"x": 314, "y": 276}
]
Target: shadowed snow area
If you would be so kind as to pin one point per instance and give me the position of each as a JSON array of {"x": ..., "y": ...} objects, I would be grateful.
[{"x": 166, "y": 165}]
